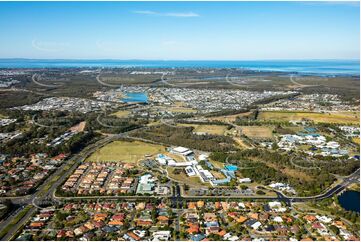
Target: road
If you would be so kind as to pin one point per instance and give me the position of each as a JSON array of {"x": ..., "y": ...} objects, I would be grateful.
[
  {"x": 42, "y": 193},
  {"x": 353, "y": 178},
  {"x": 39, "y": 194}
]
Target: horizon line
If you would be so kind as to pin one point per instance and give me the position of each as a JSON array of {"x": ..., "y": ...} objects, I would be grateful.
[{"x": 165, "y": 60}]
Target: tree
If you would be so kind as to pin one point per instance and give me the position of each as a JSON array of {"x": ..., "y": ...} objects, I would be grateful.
[{"x": 334, "y": 229}]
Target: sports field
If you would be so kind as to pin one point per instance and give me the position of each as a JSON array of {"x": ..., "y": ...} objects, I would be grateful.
[
  {"x": 209, "y": 129},
  {"x": 125, "y": 151},
  {"x": 337, "y": 117},
  {"x": 257, "y": 131}
]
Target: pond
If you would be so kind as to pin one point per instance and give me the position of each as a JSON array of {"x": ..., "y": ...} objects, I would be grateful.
[
  {"x": 350, "y": 201},
  {"x": 135, "y": 97}
]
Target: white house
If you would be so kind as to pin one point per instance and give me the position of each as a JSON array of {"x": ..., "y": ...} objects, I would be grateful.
[{"x": 245, "y": 180}]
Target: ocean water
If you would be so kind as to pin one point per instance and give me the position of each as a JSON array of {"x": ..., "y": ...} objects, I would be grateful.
[{"x": 321, "y": 67}]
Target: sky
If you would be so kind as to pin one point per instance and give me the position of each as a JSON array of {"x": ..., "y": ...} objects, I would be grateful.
[{"x": 180, "y": 30}]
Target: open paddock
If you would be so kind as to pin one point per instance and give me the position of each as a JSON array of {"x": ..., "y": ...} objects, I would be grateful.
[
  {"x": 257, "y": 131},
  {"x": 121, "y": 114},
  {"x": 209, "y": 129},
  {"x": 334, "y": 117},
  {"x": 125, "y": 151},
  {"x": 182, "y": 110},
  {"x": 356, "y": 140},
  {"x": 230, "y": 118}
]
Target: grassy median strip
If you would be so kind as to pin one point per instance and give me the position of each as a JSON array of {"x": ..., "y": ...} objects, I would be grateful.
[{"x": 17, "y": 218}]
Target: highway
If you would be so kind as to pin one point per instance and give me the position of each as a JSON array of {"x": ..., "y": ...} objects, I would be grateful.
[
  {"x": 40, "y": 195},
  {"x": 44, "y": 194}
]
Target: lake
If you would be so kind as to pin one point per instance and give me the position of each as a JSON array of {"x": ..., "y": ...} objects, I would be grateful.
[
  {"x": 135, "y": 97},
  {"x": 350, "y": 200}
]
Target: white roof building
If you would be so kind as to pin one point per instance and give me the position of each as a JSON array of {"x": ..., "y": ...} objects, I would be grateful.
[
  {"x": 180, "y": 149},
  {"x": 278, "y": 219},
  {"x": 190, "y": 171},
  {"x": 241, "y": 205},
  {"x": 203, "y": 157},
  {"x": 161, "y": 235},
  {"x": 256, "y": 225},
  {"x": 324, "y": 219},
  {"x": 245, "y": 180}
]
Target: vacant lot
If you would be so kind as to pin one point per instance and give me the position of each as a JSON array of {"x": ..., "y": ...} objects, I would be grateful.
[
  {"x": 217, "y": 164},
  {"x": 257, "y": 131},
  {"x": 337, "y": 117},
  {"x": 356, "y": 140},
  {"x": 79, "y": 127},
  {"x": 290, "y": 172},
  {"x": 125, "y": 151},
  {"x": 182, "y": 110},
  {"x": 122, "y": 113},
  {"x": 209, "y": 129},
  {"x": 230, "y": 118},
  {"x": 241, "y": 143}
]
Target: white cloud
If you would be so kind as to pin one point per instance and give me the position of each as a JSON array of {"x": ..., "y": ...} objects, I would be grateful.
[
  {"x": 145, "y": 12},
  {"x": 170, "y": 14},
  {"x": 49, "y": 46},
  {"x": 182, "y": 15}
]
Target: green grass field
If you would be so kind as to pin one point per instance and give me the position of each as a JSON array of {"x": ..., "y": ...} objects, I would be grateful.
[
  {"x": 356, "y": 140},
  {"x": 183, "y": 178},
  {"x": 337, "y": 117},
  {"x": 257, "y": 131},
  {"x": 182, "y": 110},
  {"x": 16, "y": 219},
  {"x": 125, "y": 151},
  {"x": 121, "y": 114}
]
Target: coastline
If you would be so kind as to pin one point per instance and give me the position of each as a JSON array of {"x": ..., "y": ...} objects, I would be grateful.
[{"x": 281, "y": 67}]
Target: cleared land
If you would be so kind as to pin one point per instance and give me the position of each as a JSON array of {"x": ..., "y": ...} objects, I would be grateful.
[
  {"x": 217, "y": 164},
  {"x": 356, "y": 140},
  {"x": 125, "y": 151},
  {"x": 241, "y": 143},
  {"x": 79, "y": 127},
  {"x": 209, "y": 129},
  {"x": 121, "y": 114},
  {"x": 337, "y": 117},
  {"x": 182, "y": 110},
  {"x": 257, "y": 131},
  {"x": 230, "y": 118}
]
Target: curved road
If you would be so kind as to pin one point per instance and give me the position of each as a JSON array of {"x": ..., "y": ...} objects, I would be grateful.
[
  {"x": 43, "y": 193},
  {"x": 77, "y": 159}
]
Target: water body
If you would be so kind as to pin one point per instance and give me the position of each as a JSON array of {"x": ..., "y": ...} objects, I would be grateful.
[
  {"x": 321, "y": 67},
  {"x": 350, "y": 200},
  {"x": 135, "y": 97}
]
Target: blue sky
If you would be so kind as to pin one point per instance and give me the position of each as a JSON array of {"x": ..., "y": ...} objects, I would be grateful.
[{"x": 180, "y": 30}]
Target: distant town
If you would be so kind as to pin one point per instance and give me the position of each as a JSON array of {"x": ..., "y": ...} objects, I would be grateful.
[{"x": 159, "y": 154}]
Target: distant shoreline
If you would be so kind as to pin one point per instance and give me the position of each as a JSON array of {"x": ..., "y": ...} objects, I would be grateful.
[{"x": 300, "y": 67}]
